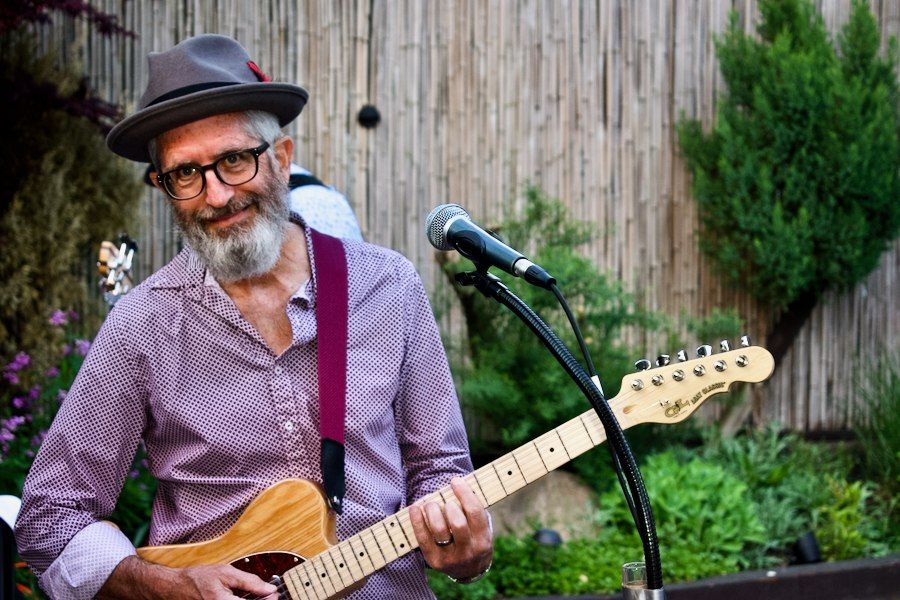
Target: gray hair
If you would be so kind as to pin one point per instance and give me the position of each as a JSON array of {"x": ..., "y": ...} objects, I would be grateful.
[{"x": 257, "y": 123}]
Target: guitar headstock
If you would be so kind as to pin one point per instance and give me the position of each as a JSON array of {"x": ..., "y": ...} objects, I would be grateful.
[
  {"x": 670, "y": 393},
  {"x": 114, "y": 264}
]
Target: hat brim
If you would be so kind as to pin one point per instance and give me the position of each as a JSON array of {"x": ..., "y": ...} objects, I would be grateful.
[{"x": 129, "y": 138}]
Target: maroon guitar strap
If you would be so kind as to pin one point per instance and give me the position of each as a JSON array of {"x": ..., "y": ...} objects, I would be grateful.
[{"x": 331, "y": 336}]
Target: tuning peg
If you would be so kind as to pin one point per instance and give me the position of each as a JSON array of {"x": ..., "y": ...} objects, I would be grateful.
[
  {"x": 724, "y": 346},
  {"x": 642, "y": 365},
  {"x": 662, "y": 360},
  {"x": 682, "y": 355},
  {"x": 704, "y": 350},
  {"x": 745, "y": 341}
]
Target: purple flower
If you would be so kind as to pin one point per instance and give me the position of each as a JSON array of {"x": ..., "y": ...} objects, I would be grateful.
[
  {"x": 19, "y": 362},
  {"x": 29, "y": 453},
  {"x": 51, "y": 372},
  {"x": 38, "y": 438},
  {"x": 73, "y": 316},
  {"x": 134, "y": 474},
  {"x": 82, "y": 347},
  {"x": 11, "y": 377},
  {"x": 34, "y": 392},
  {"x": 61, "y": 395},
  {"x": 67, "y": 349},
  {"x": 19, "y": 403},
  {"x": 58, "y": 318}
]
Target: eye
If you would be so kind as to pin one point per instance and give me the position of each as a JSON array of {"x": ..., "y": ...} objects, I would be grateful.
[
  {"x": 232, "y": 159},
  {"x": 186, "y": 172}
]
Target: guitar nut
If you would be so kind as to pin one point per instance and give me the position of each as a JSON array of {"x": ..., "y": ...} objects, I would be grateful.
[{"x": 678, "y": 375}]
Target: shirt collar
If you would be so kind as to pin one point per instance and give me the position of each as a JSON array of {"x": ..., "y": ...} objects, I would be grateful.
[{"x": 187, "y": 270}]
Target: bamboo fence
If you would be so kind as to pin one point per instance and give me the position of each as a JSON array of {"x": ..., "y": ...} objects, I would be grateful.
[{"x": 479, "y": 98}]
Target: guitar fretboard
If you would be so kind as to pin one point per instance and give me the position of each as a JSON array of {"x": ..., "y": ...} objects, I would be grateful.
[{"x": 350, "y": 561}]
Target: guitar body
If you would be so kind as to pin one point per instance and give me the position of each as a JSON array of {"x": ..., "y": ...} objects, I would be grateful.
[{"x": 283, "y": 526}]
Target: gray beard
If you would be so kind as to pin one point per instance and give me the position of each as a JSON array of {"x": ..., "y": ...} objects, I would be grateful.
[{"x": 241, "y": 251}]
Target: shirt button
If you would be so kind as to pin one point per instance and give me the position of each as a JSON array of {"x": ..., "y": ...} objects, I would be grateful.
[
  {"x": 288, "y": 426},
  {"x": 279, "y": 370}
]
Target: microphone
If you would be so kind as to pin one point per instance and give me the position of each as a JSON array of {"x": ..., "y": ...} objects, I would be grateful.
[{"x": 449, "y": 227}]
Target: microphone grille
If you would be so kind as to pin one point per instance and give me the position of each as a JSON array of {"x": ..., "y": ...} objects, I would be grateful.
[{"x": 436, "y": 221}]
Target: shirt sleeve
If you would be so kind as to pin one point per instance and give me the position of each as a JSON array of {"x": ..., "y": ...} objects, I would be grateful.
[
  {"x": 430, "y": 428},
  {"x": 80, "y": 469}
]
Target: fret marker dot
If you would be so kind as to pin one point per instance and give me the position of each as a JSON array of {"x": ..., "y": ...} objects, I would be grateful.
[
  {"x": 551, "y": 449},
  {"x": 509, "y": 472},
  {"x": 307, "y": 584},
  {"x": 341, "y": 565},
  {"x": 362, "y": 553},
  {"x": 323, "y": 574}
]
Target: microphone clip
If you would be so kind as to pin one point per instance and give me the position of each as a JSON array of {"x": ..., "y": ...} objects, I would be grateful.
[{"x": 486, "y": 283}]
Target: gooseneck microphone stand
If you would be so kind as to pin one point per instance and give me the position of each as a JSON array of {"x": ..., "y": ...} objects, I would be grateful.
[{"x": 635, "y": 587}]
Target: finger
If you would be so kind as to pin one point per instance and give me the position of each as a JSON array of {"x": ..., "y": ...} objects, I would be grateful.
[
  {"x": 437, "y": 523},
  {"x": 476, "y": 515},
  {"x": 458, "y": 523},
  {"x": 423, "y": 534},
  {"x": 247, "y": 582}
]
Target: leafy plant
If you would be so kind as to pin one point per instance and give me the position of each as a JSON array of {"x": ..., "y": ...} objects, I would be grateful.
[
  {"x": 30, "y": 396},
  {"x": 798, "y": 181},
  {"x": 511, "y": 382},
  {"x": 877, "y": 424}
]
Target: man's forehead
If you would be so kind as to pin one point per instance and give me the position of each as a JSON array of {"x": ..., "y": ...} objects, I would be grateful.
[{"x": 211, "y": 135}]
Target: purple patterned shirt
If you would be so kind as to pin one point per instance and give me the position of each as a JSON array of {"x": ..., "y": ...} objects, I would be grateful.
[{"x": 223, "y": 418}]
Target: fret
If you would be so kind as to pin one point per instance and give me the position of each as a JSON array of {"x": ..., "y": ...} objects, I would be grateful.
[
  {"x": 361, "y": 553},
  {"x": 373, "y": 548},
  {"x": 324, "y": 575},
  {"x": 575, "y": 437},
  {"x": 408, "y": 529},
  {"x": 292, "y": 584},
  {"x": 528, "y": 458},
  {"x": 379, "y": 530},
  {"x": 353, "y": 564},
  {"x": 594, "y": 427},
  {"x": 398, "y": 536},
  {"x": 472, "y": 480},
  {"x": 315, "y": 580},
  {"x": 552, "y": 450},
  {"x": 340, "y": 566},
  {"x": 490, "y": 483},
  {"x": 509, "y": 473},
  {"x": 301, "y": 574}
]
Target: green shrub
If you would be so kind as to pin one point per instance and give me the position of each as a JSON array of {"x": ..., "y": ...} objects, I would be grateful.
[
  {"x": 798, "y": 181},
  {"x": 877, "y": 424},
  {"x": 63, "y": 193},
  {"x": 512, "y": 385},
  {"x": 705, "y": 516}
]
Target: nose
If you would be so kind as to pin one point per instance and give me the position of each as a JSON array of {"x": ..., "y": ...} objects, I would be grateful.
[{"x": 218, "y": 194}]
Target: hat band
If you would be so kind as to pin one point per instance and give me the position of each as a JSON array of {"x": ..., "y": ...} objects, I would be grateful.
[{"x": 190, "y": 89}]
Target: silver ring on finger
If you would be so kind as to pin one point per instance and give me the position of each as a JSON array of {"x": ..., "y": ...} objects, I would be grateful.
[{"x": 444, "y": 543}]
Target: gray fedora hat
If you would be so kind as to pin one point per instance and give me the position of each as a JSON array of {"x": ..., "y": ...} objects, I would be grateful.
[{"x": 202, "y": 76}]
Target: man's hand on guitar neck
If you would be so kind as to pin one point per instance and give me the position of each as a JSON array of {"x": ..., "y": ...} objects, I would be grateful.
[
  {"x": 455, "y": 539},
  {"x": 135, "y": 578}
]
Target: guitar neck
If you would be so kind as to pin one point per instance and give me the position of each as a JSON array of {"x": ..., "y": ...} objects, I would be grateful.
[{"x": 351, "y": 560}]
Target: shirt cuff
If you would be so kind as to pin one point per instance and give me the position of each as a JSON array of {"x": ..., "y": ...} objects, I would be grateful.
[{"x": 86, "y": 562}]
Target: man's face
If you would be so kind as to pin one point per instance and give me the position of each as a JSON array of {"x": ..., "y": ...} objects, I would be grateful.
[{"x": 236, "y": 230}]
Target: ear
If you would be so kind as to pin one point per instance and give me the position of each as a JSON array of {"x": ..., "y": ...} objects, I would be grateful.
[{"x": 284, "y": 151}]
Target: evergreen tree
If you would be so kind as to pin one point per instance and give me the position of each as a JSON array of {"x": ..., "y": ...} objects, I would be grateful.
[{"x": 798, "y": 182}]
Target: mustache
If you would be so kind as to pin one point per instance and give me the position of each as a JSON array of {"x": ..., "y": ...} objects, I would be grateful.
[{"x": 211, "y": 213}]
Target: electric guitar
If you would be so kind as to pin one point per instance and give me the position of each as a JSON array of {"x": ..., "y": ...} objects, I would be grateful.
[{"x": 287, "y": 534}]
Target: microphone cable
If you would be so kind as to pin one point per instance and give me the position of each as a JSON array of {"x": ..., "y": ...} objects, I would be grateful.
[{"x": 617, "y": 464}]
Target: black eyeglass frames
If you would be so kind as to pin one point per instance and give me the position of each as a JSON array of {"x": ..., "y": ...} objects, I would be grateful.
[{"x": 235, "y": 168}]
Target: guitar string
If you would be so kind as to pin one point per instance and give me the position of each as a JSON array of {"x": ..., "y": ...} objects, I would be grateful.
[
  {"x": 525, "y": 466},
  {"x": 528, "y": 465},
  {"x": 582, "y": 425}
]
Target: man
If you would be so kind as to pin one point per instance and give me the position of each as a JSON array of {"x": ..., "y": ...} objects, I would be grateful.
[{"x": 211, "y": 364}]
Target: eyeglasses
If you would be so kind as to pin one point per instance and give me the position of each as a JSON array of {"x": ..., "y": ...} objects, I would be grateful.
[{"x": 235, "y": 168}]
